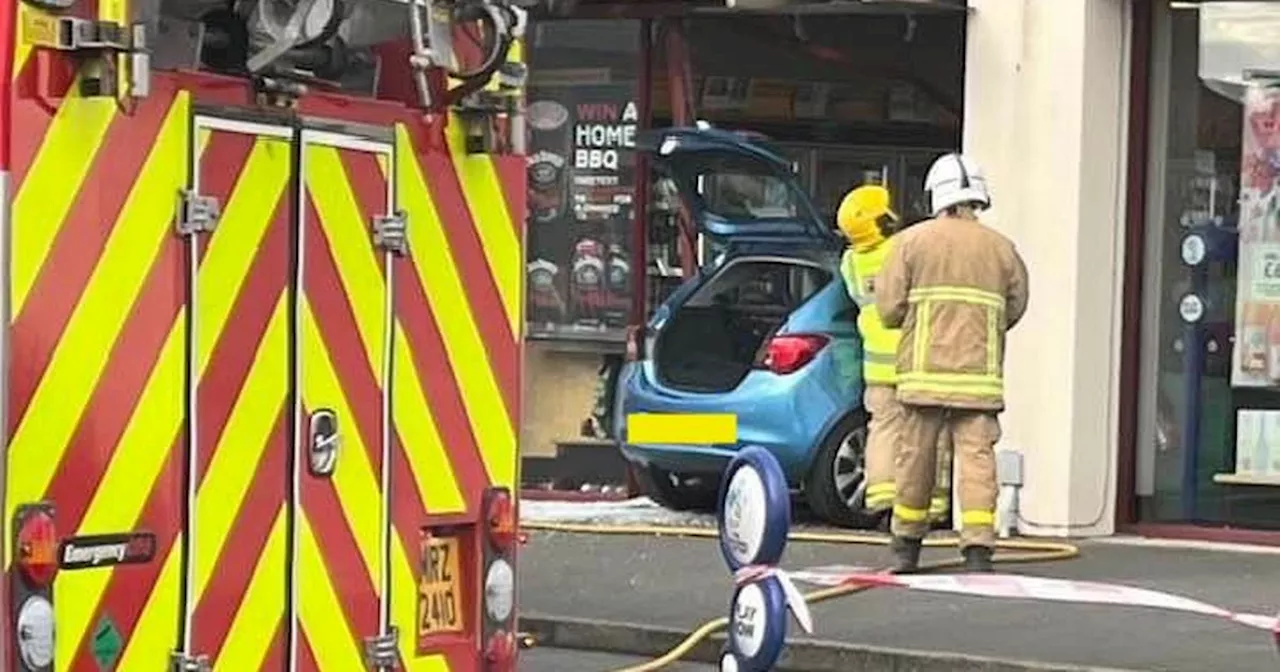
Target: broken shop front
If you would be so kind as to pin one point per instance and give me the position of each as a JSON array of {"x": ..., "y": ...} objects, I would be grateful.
[{"x": 850, "y": 98}]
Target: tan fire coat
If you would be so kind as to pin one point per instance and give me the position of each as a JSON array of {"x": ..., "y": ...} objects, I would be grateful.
[{"x": 954, "y": 286}]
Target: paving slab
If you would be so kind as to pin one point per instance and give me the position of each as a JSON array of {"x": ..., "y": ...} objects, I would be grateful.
[{"x": 681, "y": 583}]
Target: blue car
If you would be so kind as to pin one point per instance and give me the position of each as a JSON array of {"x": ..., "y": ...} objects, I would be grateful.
[{"x": 765, "y": 330}]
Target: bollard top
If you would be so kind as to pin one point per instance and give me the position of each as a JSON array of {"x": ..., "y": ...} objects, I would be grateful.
[{"x": 755, "y": 510}]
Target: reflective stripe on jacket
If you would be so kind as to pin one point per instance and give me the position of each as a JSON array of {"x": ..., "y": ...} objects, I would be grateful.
[
  {"x": 879, "y": 343},
  {"x": 955, "y": 287}
]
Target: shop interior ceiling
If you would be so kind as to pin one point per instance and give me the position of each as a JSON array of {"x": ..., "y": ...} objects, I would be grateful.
[
  {"x": 657, "y": 8},
  {"x": 844, "y": 49}
]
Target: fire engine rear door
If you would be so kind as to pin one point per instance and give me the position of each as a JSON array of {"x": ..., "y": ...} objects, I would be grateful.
[
  {"x": 237, "y": 223},
  {"x": 344, "y": 378}
]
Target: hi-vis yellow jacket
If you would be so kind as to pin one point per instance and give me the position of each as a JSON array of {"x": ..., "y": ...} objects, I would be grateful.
[{"x": 879, "y": 343}]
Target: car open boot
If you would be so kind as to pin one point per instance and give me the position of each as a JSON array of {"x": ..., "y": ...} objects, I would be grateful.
[
  {"x": 978, "y": 559},
  {"x": 906, "y": 555}
]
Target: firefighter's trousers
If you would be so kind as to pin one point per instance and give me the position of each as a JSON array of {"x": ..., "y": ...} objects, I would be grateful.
[
  {"x": 974, "y": 435},
  {"x": 884, "y": 435}
]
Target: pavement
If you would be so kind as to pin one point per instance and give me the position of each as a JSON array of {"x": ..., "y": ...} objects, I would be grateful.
[
  {"x": 569, "y": 660},
  {"x": 627, "y": 586}
]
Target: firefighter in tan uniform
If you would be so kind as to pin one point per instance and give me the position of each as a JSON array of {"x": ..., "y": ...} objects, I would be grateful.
[
  {"x": 867, "y": 221},
  {"x": 954, "y": 287}
]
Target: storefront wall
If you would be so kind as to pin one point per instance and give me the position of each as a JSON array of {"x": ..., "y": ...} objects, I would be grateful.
[
  {"x": 1208, "y": 441},
  {"x": 1046, "y": 102}
]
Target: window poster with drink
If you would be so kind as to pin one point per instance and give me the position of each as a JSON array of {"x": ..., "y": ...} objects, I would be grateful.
[
  {"x": 1256, "y": 356},
  {"x": 581, "y": 192}
]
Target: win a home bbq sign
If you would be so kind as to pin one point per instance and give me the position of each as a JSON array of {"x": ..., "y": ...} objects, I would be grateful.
[{"x": 754, "y": 520}]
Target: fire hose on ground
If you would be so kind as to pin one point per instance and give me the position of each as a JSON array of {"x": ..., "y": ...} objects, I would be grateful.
[{"x": 1015, "y": 551}]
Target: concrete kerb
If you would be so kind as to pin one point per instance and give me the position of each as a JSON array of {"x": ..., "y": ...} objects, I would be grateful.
[{"x": 800, "y": 655}]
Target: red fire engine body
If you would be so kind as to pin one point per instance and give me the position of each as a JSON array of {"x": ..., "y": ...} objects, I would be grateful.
[{"x": 262, "y": 371}]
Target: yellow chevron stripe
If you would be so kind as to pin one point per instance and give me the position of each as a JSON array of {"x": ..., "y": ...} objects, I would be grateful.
[
  {"x": 362, "y": 282},
  {"x": 81, "y": 354},
  {"x": 437, "y": 272},
  {"x": 250, "y": 638},
  {"x": 347, "y": 231},
  {"x": 156, "y": 632},
  {"x": 157, "y": 418},
  {"x": 250, "y": 209},
  {"x": 245, "y": 439},
  {"x": 424, "y": 449},
  {"x": 21, "y": 50},
  {"x": 319, "y": 609},
  {"x": 53, "y": 182},
  {"x": 488, "y": 206},
  {"x": 355, "y": 480}
]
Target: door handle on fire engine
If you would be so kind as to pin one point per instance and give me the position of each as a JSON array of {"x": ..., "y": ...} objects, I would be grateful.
[{"x": 324, "y": 442}]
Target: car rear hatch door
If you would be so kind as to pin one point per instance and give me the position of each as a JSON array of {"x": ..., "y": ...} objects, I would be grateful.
[{"x": 738, "y": 192}]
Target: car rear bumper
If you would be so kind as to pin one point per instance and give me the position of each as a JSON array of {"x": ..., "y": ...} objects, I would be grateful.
[
  {"x": 681, "y": 458},
  {"x": 789, "y": 416}
]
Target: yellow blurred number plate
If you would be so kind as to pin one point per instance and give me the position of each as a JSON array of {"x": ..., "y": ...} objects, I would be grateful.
[{"x": 439, "y": 589}]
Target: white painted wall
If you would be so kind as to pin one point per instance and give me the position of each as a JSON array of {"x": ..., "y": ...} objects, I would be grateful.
[{"x": 1046, "y": 89}]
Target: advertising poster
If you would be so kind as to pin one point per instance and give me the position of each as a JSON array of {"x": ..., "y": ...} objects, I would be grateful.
[
  {"x": 1256, "y": 355},
  {"x": 581, "y": 192}
]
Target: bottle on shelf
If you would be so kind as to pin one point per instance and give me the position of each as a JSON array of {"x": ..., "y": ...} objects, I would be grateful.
[
  {"x": 1273, "y": 345},
  {"x": 1254, "y": 333}
]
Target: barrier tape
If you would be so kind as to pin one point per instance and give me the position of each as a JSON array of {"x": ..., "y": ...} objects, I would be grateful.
[
  {"x": 1016, "y": 586},
  {"x": 796, "y": 603}
]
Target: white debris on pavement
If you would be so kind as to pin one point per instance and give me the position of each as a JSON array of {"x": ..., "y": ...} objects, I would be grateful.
[{"x": 637, "y": 511}]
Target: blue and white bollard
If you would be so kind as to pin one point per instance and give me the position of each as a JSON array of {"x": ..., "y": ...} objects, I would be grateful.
[{"x": 754, "y": 520}]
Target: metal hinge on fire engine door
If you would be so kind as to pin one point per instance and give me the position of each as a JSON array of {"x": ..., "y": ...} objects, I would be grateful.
[
  {"x": 380, "y": 651},
  {"x": 389, "y": 233},
  {"x": 185, "y": 662},
  {"x": 196, "y": 213}
]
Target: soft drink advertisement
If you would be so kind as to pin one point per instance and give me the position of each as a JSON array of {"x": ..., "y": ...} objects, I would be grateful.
[
  {"x": 581, "y": 192},
  {"x": 1256, "y": 356}
]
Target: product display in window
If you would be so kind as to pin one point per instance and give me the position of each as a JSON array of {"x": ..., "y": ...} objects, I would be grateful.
[
  {"x": 1257, "y": 354},
  {"x": 547, "y": 305},
  {"x": 581, "y": 184}
]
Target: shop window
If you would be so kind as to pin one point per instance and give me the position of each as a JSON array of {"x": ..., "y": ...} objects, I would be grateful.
[
  {"x": 1209, "y": 443},
  {"x": 583, "y": 117}
]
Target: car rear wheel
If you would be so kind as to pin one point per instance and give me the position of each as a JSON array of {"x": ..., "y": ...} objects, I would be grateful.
[
  {"x": 836, "y": 489},
  {"x": 679, "y": 492}
]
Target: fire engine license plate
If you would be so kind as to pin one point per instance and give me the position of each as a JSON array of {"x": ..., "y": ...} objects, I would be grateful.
[{"x": 439, "y": 590}]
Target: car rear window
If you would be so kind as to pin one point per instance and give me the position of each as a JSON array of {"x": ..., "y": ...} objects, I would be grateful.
[{"x": 761, "y": 284}]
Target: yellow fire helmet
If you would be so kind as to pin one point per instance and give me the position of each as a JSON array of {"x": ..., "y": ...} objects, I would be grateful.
[{"x": 860, "y": 212}]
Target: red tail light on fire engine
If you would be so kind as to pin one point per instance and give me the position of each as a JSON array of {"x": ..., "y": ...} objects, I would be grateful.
[
  {"x": 791, "y": 352},
  {"x": 37, "y": 552},
  {"x": 35, "y": 555},
  {"x": 501, "y": 533}
]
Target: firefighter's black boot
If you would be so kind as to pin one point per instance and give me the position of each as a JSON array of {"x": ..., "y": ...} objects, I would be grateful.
[
  {"x": 906, "y": 555},
  {"x": 978, "y": 559}
]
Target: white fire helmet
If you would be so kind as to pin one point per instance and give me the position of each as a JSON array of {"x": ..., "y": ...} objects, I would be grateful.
[{"x": 954, "y": 179}]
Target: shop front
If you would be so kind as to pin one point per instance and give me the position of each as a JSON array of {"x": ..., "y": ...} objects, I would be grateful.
[
  {"x": 864, "y": 94},
  {"x": 1206, "y": 439}
]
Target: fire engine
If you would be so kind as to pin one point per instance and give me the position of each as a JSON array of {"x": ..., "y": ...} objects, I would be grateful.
[{"x": 262, "y": 267}]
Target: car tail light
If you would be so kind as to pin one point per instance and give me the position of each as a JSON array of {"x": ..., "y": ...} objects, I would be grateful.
[
  {"x": 635, "y": 343},
  {"x": 37, "y": 552},
  {"x": 499, "y": 598},
  {"x": 789, "y": 353}
]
